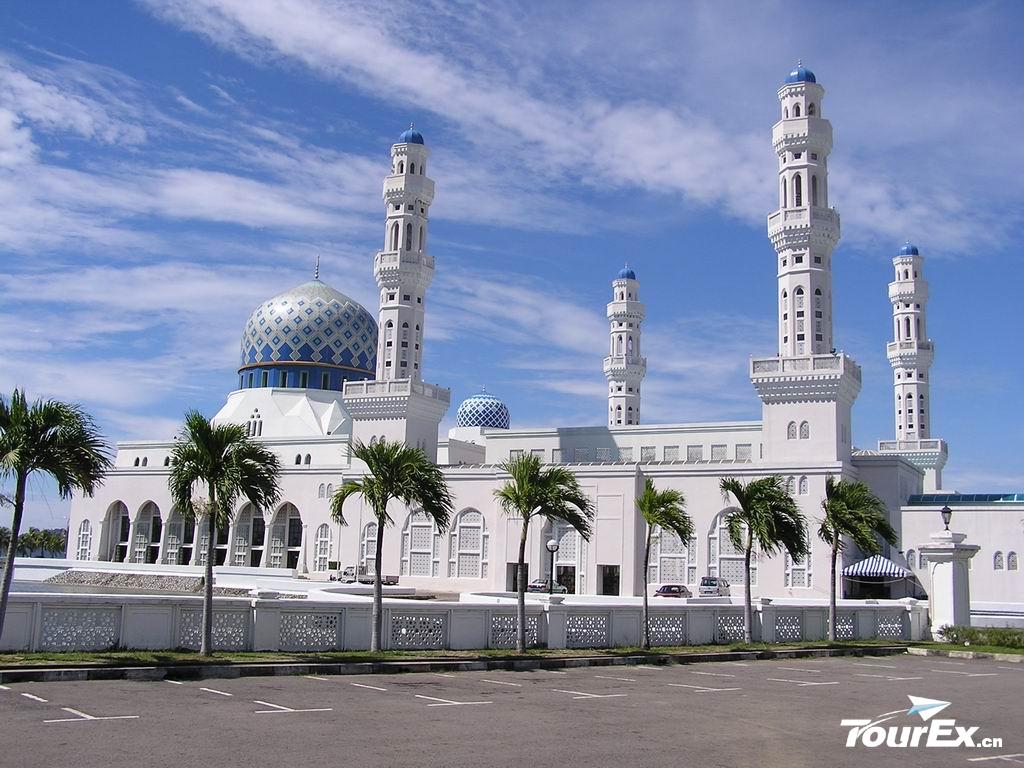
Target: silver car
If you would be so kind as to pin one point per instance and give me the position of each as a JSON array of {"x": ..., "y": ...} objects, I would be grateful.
[{"x": 713, "y": 586}]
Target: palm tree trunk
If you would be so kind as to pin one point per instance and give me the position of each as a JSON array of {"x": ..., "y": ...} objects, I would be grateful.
[
  {"x": 646, "y": 619},
  {"x": 206, "y": 649},
  {"x": 748, "y": 610},
  {"x": 521, "y": 589},
  {"x": 377, "y": 616},
  {"x": 12, "y": 545},
  {"x": 832, "y": 592}
]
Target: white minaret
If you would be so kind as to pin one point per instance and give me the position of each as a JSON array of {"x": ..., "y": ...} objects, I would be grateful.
[
  {"x": 910, "y": 354},
  {"x": 625, "y": 366},
  {"x": 403, "y": 269},
  {"x": 399, "y": 405},
  {"x": 808, "y": 389}
]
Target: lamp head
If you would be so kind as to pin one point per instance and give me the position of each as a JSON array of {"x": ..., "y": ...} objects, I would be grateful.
[
  {"x": 552, "y": 545},
  {"x": 947, "y": 515}
]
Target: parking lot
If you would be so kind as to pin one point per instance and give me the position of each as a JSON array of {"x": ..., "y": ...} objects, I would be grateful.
[{"x": 771, "y": 713}]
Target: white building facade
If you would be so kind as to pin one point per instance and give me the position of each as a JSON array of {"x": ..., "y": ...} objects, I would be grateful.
[{"x": 319, "y": 373}]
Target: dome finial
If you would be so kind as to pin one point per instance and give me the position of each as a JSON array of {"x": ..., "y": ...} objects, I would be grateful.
[
  {"x": 799, "y": 62},
  {"x": 316, "y": 269}
]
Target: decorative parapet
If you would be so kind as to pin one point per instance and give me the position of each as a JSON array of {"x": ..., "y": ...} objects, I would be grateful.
[
  {"x": 928, "y": 453},
  {"x": 807, "y": 377}
]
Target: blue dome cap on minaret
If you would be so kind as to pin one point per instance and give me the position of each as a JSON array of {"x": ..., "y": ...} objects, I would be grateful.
[
  {"x": 626, "y": 273},
  {"x": 909, "y": 249},
  {"x": 801, "y": 75},
  {"x": 411, "y": 136},
  {"x": 483, "y": 410}
]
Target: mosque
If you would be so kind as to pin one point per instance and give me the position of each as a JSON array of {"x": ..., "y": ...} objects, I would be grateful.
[{"x": 318, "y": 373}]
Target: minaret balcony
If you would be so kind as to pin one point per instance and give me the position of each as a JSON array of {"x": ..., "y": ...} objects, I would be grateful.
[
  {"x": 409, "y": 186},
  {"x": 625, "y": 365},
  {"x": 397, "y": 259},
  {"x": 626, "y": 310},
  {"x": 812, "y": 134},
  {"x": 793, "y": 225},
  {"x": 910, "y": 354},
  {"x": 908, "y": 291},
  {"x": 805, "y": 378}
]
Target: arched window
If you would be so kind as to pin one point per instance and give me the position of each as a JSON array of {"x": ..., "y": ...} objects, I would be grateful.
[
  {"x": 784, "y": 196},
  {"x": 791, "y": 431},
  {"x": 629, "y": 346},
  {"x": 307, "y": 459},
  {"x": 790, "y": 485},
  {"x": 467, "y": 546},
  {"x": 805, "y": 430},
  {"x": 618, "y": 345},
  {"x": 423, "y": 239},
  {"x": 906, "y": 327},
  {"x": 906, "y": 274},
  {"x": 1011, "y": 561},
  {"x": 368, "y": 548},
  {"x": 997, "y": 561},
  {"x": 330, "y": 491},
  {"x": 421, "y": 546},
  {"x": 785, "y": 112},
  {"x": 298, "y": 459},
  {"x": 394, "y": 236},
  {"x": 167, "y": 461},
  {"x": 798, "y": 190},
  {"x": 796, "y": 110},
  {"x": 137, "y": 460},
  {"x": 408, "y": 236},
  {"x": 810, "y": 109},
  {"x": 145, "y": 461},
  {"x": 412, "y": 167},
  {"x": 724, "y": 559},
  {"x": 814, "y": 190},
  {"x": 321, "y": 491},
  {"x": 797, "y": 572},
  {"x": 254, "y": 427},
  {"x": 911, "y": 564},
  {"x": 803, "y": 486},
  {"x": 146, "y": 534},
  {"x": 322, "y": 551},
  {"x": 672, "y": 560},
  {"x": 84, "y": 541},
  {"x": 401, "y": 166}
]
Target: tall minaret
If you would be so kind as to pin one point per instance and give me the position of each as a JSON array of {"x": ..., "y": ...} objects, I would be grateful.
[
  {"x": 625, "y": 366},
  {"x": 804, "y": 230},
  {"x": 808, "y": 389},
  {"x": 910, "y": 354},
  {"x": 403, "y": 269},
  {"x": 399, "y": 405}
]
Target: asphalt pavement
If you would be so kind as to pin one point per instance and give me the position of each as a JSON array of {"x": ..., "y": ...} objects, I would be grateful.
[{"x": 765, "y": 713}]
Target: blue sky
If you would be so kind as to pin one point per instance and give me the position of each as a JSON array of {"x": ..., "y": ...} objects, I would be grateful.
[{"x": 165, "y": 166}]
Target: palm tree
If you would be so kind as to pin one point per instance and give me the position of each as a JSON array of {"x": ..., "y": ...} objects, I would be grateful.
[
  {"x": 48, "y": 436},
  {"x": 552, "y": 493},
  {"x": 665, "y": 510},
  {"x": 766, "y": 516},
  {"x": 225, "y": 463},
  {"x": 394, "y": 471},
  {"x": 854, "y": 512}
]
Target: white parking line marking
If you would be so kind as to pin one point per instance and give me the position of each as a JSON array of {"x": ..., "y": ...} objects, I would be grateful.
[
  {"x": 648, "y": 666},
  {"x": 214, "y": 690},
  {"x": 4, "y": 688},
  {"x": 441, "y": 674},
  {"x": 966, "y": 674},
  {"x": 800, "y": 669},
  {"x": 582, "y": 695},
  {"x": 500, "y": 682},
  {"x": 278, "y": 709},
  {"x": 448, "y": 702},
  {"x": 371, "y": 687},
  {"x": 886, "y": 677},
  {"x": 314, "y": 677},
  {"x": 1007, "y": 758},
  {"x": 554, "y": 672},
  {"x": 82, "y": 717},
  {"x": 174, "y": 682},
  {"x": 34, "y": 697},
  {"x": 1015, "y": 669},
  {"x": 798, "y": 682},
  {"x": 712, "y": 674},
  {"x": 620, "y": 679},
  {"x": 953, "y": 663},
  {"x": 702, "y": 688},
  {"x": 866, "y": 664}
]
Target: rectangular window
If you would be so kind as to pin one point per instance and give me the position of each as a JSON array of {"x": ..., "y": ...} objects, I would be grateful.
[
  {"x": 671, "y": 453},
  {"x": 605, "y": 454},
  {"x": 538, "y": 452},
  {"x": 800, "y": 337},
  {"x": 798, "y": 259},
  {"x": 718, "y": 452},
  {"x": 647, "y": 453},
  {"x": 743, "y": 452},
  {"x": 556, "y": 455},
  {"x": 817, "y": 313},
  {"x": 406, "y": 297},
  {"x": 625, "y": 454},
  {"x": 515, "y": 453},
  {"x": 695, "y": 453},
  {"x": 284, "y": 378},
  {"x": 250, "y": 379},
  {"x": 581, "y": 454},
  {"x": 325, "y": 381},
  {"x": 304, "y": 379},
  {"x": 817, "y": 259},
  {"x": 265, "y": 379}
]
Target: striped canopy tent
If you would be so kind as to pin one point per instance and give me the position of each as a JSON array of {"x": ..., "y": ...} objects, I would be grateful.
[{"x": 876, "y": 565}]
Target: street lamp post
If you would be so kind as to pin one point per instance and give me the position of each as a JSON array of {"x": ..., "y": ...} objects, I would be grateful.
[
  {"x": 552, "y": 547},
  {"x": 947, "y": 515}
]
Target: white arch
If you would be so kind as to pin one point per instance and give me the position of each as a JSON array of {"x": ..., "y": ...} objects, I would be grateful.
[
  {"x": 322, "y": 550},
  {"x": 725, "y": 560},
  {"x": 467, "y": 546},
  {"x": 84, "y": 549}
]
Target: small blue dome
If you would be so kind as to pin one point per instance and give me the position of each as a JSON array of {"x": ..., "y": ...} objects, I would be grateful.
[
  {"x": 627, "y": 274},
  {"x": 410, "y": 136},
  {"x": 801, "y": 75},
  {"x": 483, "y": 410},
  {"x": 909, "y": 249}
]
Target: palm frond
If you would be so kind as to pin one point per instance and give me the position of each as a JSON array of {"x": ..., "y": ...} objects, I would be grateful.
[
  {"x": 854, "y": 513},
  {"x": 665, "y": 509}
]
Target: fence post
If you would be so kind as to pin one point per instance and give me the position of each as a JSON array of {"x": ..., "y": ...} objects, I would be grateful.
[
  {"x": 763, "y": 620},
  {"x": 556, "y": 615}
]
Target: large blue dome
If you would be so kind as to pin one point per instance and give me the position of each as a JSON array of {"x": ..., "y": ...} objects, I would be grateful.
[
  {"x": 909, "y": 249},
  {"x": 801, "y": 75},
  {"x": 311, "y": 328},
  {"x": 483, "y": 410},
  {"x": 410, "y": 136},
  {"x": 626, "y": 273}
]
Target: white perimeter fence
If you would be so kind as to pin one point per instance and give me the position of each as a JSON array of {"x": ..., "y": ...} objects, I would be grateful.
[{"x": 49, "y": 622}]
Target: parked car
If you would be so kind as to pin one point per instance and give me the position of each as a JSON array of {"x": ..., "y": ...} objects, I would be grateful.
[
  {"x": 541, "y": 585},
  {"x": 713, "y": 586},
  {"x": 350, "y": 574},
  {"x": 672, "y": 590}
]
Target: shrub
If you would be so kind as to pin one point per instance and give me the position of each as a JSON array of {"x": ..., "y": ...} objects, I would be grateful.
[{"x": 1005, "y": 637}]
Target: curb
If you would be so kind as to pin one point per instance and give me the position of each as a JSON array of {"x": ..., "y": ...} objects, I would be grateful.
[
  {"x": 256, "y": 669},
  {"x": 1015, "y": 658}
]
